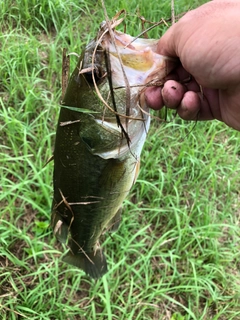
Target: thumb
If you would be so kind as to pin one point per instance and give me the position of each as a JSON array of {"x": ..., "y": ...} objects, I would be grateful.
[{"x": 167, "y": 45}]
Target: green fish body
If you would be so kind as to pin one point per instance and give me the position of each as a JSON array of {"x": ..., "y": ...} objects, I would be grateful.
[{"x": 95, "y": 162}]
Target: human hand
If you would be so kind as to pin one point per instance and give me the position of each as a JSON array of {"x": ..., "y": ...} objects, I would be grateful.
[{"x": 205, "y": 85}]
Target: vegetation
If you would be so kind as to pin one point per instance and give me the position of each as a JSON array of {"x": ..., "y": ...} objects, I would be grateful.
[{"x": 176, "y": 254}]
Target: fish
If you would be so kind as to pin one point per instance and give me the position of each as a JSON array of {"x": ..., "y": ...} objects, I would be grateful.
[{"x": 101, "y": 130}]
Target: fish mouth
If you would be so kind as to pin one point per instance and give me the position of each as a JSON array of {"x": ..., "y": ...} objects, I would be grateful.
[
  {"x": 126, "y": 60},
  {"x": 119, "y": 67},
  {"x": 138, "y": 56}
]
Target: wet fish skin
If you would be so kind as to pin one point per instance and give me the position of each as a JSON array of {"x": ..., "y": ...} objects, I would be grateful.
[
  {"x": 94, "y": 166},
  {"x": 82, "y": 176}
]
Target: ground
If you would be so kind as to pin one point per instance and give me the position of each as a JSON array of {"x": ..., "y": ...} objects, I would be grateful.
[{"x": 176, "y": 254}]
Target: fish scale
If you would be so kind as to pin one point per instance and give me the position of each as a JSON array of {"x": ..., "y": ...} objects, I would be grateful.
[{"x": 96, "y": 161}]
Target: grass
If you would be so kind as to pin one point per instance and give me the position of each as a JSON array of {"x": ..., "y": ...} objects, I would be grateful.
[{"x": 176, "y": 254}]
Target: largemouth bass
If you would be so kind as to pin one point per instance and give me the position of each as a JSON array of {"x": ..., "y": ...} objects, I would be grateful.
[{"x": 102, "y": 126}]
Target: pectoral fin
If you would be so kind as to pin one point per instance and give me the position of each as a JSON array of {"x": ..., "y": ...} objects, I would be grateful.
[{"x": 114, "y": 223}]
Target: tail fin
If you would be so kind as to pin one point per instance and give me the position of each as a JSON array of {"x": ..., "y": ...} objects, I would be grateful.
[{"x": 94, "y": 263}]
